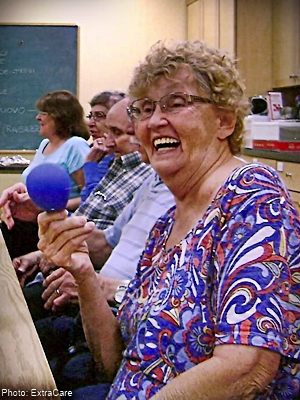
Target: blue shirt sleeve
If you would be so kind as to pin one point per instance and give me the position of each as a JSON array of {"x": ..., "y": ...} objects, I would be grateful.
[
  {"x": 76, "y": 153},
  {"x": 93, "y": 173},
  {"x": 91, "y": 176}
]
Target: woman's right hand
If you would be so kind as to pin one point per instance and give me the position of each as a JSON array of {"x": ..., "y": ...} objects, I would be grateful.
[
  {"x": 16, "y": 203},
  {"x": 98, "y": 150},
  {"x": 62, "y": 240}
]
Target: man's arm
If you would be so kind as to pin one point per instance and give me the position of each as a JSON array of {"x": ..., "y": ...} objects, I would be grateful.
[
  {"x": 99, "y": 248},
  {"x": 64, "y": 281},
  {"x": 109, "y": 287}
]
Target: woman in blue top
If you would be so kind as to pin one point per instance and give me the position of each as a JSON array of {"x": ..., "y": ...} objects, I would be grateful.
[
  {"x": 62, "y": 125},
  {"x": 65, "y": 132}
]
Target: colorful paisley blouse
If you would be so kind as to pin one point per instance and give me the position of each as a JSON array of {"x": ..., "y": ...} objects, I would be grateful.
[{"x": 235, "y": 278}]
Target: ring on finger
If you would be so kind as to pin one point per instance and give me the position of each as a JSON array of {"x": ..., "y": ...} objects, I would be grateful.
[{"x": 57, "y": 291}]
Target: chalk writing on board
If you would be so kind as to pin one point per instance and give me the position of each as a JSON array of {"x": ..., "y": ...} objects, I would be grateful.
[
  {"x": 21, "y": 129},
  {"x": 34, "y": 60},
  {"x": 17, "y": 71},
  {"x": 13, "y": 110},
  {"x": 3, "y": 53}
]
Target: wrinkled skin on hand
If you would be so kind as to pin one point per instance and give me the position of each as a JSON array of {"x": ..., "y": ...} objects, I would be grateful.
[
  {"x": 26, "y": 266},
  {"x": 31, "y": 263},
  {"x": 65, "y": 282},
  {"x": 62, "y": 239},
  {"x": 46, "y": 266},
  {"x": 98, "y": 151},
  {"x": 16, "y": 203}
]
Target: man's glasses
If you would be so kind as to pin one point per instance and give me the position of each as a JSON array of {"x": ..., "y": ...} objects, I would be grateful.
[
  {"x": 97, "y": 115},
  {"x": 171, "y": 103}
]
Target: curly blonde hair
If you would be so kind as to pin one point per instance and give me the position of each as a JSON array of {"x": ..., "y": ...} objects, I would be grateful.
[{"x": 214, "y": 71}]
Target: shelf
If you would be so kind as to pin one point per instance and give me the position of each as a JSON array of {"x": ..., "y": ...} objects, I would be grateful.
[
  {"x": 12, "y": 169},
  {"x": 289, "y": 156}
]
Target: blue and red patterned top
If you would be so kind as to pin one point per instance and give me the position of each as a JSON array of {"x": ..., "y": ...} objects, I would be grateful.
[{"x": 234, "y": 279}]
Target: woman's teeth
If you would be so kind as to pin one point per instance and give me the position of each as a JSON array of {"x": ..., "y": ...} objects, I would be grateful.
[{"x": 165, "y": 143}]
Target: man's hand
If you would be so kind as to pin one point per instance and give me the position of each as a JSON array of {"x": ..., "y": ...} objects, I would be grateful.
[
  {"x": 26, "y": 265},
  {"x": 60, "y": 290},
  {"x": 16, "y": 203},
  {"x": 46, "y": 266}
]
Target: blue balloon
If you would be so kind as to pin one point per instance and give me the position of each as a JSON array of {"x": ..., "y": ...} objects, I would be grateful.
[{"x": 49, "y": 187}]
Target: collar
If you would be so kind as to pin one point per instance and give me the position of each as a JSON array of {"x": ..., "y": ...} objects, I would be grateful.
[{"x": 130, "y": 160}]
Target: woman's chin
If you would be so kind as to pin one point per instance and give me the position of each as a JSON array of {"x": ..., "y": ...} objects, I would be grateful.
[
  {"x": 165, "y": 169},
  {"x": 165, "y": 161}
]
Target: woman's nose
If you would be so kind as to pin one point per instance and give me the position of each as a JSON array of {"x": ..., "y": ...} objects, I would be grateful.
[{"x": 157, "y": 118}]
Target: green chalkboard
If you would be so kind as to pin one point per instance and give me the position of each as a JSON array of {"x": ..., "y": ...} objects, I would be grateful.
[{"x": 34, "y": 59}]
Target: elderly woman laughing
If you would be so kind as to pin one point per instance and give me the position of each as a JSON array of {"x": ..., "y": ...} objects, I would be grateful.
[{"x": 213, "y": 311}]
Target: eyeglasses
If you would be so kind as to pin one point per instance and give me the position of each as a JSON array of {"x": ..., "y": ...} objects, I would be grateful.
[
  {"x": 97, "y": 115},
  {"x": 171, "y": 103}
]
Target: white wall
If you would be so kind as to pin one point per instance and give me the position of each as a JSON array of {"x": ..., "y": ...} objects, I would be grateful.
[{"x": 114, "y": 34}]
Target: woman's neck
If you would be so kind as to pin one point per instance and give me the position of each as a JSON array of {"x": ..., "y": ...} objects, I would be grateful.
[
  {"x": 191, "y": 207},
  {"x": 54, "y": 143}
]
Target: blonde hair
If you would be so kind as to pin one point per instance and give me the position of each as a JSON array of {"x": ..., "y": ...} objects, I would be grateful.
[{"x": 214, "y": 72}]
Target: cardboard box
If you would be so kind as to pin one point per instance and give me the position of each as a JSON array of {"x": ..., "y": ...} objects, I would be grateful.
[
  {"x": 275, "y": 104},
  {"x": 283, "y": 130}
]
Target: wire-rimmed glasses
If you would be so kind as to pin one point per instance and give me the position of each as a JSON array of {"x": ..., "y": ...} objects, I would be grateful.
[
  {"x": 96, "y": 115},
  {"x": 174, "y": 102}
]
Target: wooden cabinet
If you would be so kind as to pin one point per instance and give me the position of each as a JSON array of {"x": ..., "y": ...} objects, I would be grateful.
[
  {"x": 212, "y": 21},
  {"x": 288, "y": 171},
  {"x": 291, "y": 176},
  {"x": 296, "y": 198},
  {"x": 254, "y": 44},
  {"x": 264, "y": 36},
  {"x": 286, "y": 43},
  {"x": 269, "y": 162},
  {"x": 268, "y": 44}
]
